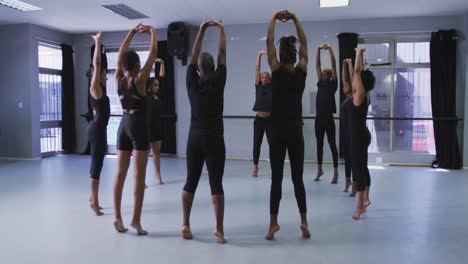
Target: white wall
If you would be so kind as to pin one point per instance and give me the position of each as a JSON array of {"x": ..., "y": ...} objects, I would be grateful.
[{"x": 20, "y": 127}]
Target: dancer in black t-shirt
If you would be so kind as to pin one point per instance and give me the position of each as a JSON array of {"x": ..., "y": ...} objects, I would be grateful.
[
  {"x": 288, "y": 82},
  {"x": 262, "y": 123},
  {"x": 325, "y": 108},
  {"x": 205, "y": 88}
]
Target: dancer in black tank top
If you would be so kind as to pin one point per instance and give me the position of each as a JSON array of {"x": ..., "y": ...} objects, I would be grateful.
[
  {"x": 362, "y": 83},
  {"x": 97, "y": 128},
  {"x": 132, "y": 138},
  {"x": 154, "y": 117},
  {"x": 262, "y": 123},
  {"x": 205, "y": 88},
  {"x": 346, "y": 74},
  {"x": 288, "y": 82},
  {"x": 325, "y": 108}
]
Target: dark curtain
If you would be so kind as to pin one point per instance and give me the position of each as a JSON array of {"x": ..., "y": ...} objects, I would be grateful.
[
  {"x": 443, "y": 52},
  {"x": 347, "y": 43},
  {"x": 68, "y": 100},
  {"x": 167, "y": 97}
]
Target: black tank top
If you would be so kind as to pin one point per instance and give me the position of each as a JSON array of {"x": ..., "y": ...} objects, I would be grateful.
[
  {"x": 129, "y": 97},
  {"x": 287, "y": 96},
  {"x": 325, "y": 100},
  {"x": 345, "y": 113},
  {"x": 102, "y": 110},
  {"x": 153, "y": 109},
  {"x": 357, "y": 122},
  {"x": 262, "y": 98}
]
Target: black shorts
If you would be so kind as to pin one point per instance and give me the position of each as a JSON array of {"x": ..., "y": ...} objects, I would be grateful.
[{"x": 133, "y": 133}]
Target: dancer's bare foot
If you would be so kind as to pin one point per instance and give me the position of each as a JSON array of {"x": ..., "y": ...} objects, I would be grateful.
[
  {"x": 91, "y": 203},
  {"x": 119, "y": 226},
  {"x": 357, "y": 214},
  {"x": 186, "y": 233},
  {"x": 366, "y": 204},
  {"x": 305, "y": 231},
  {"x": 347, "y": 185},
  {"x": 255, "y": 171},
  {"x": 159, "y": 178},
  {"x": 96, "y": 209},
  {"x": 219, "y": 234},
  {"x": 319, "y": 174},
  {"x": 271, "y": 232},
  {"x": 139, "y": 229},
  {"x": 335, "y": 177}
]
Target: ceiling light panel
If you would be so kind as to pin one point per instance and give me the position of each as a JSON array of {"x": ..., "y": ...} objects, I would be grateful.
[
  {"x": 19, "y": 5},
  {"x": 125, "y": 11},
  {"x": 333, "y": 3}
]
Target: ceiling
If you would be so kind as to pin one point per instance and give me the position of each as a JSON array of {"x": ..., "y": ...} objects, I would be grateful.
[{"x": 87, "y": 15}]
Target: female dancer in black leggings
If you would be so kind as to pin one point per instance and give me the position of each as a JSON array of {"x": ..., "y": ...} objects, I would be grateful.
[
  {"x": 132, "y": 134},
  {"x": 346, "y": 74},
  {"x": 362, "y": 83},
  {"x": 288, "y": 82},
  {"x": 325, "y": 108},
  {"x": 205, "y": 87},
  {"x": 154, "y": 118},
  {"x": 262, "y": 123},
  {"x": 97, "y": 129}
]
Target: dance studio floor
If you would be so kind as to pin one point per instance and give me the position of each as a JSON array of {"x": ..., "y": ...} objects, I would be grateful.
[{"x": 418, "y": 215}]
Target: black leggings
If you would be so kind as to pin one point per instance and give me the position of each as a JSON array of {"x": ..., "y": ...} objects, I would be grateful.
[
  {"x": 347, "y": 156},
  {"x": 348, "y": 169},
  {"x": 261, "y": 126},
  {"x": 98, "y": 141},
  {"x": 288, "y": 138},
  {"x": 359, "y": 162},
  {"x": 209, "y": 148},
  {"x": 322, "y": 126}
]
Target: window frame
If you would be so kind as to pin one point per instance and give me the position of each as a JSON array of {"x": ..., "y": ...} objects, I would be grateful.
[
  {"x": 393, "y": 66},
  {"x": 52, "y": 125}
]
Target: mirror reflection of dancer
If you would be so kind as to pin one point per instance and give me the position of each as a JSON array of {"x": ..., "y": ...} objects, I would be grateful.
[
  {"x": 205, "y": 87},
  {"x": 262, "y": 123},
  {"x": 288, "y": 82},
  {"x": 325, "y": 108},
  {"x": 132, "y": 138},
  {"x": 362, "y": 83},
  {"x": 97, "y": 128}
]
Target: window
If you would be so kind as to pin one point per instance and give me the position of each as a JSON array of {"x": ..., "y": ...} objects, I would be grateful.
[
  {"x": 402, "y": 91},
  {"x": 50, "y": 84},
  {"x": 116, "y": 107}
]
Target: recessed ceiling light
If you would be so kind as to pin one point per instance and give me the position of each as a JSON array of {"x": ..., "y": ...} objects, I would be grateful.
[
  {"x": 125, "y": 11},
  {"x": 19, "y": 5},
  {"x": 333, "y": 3}
]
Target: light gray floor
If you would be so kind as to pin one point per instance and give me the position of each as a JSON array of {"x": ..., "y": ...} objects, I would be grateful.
[{"x": 418, "y": 215}]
